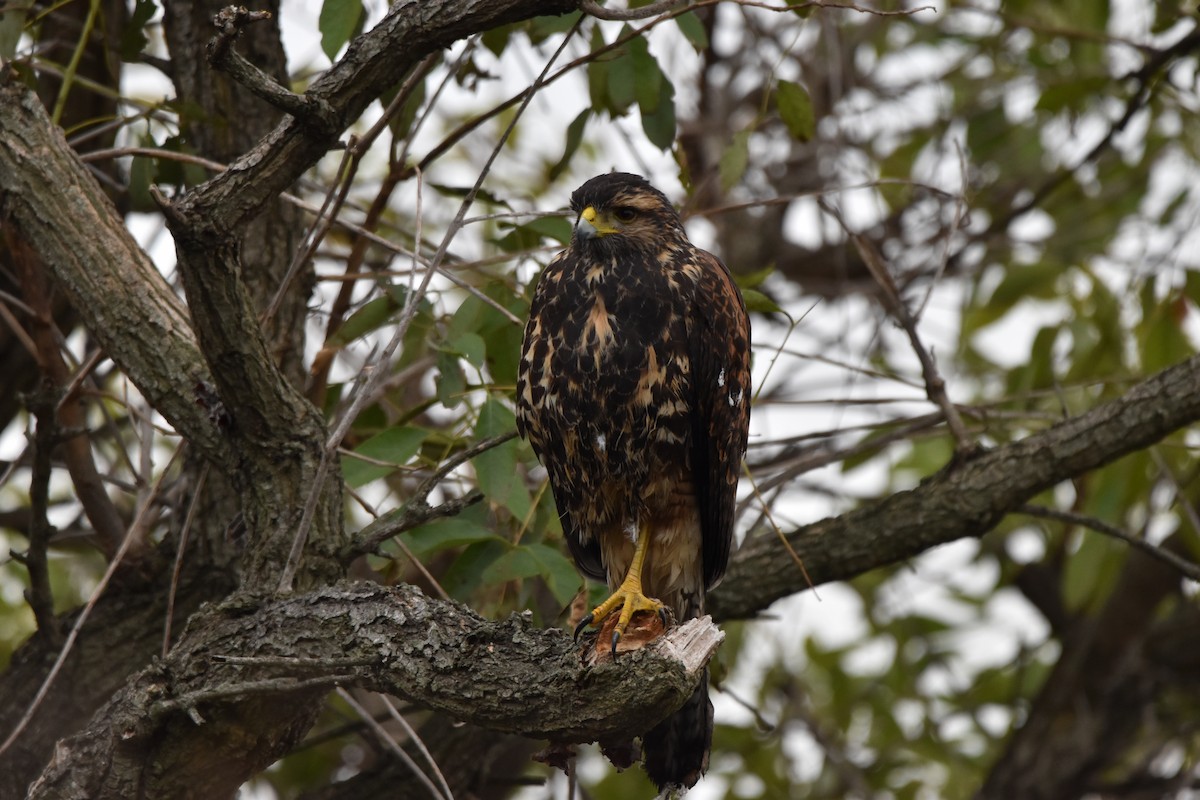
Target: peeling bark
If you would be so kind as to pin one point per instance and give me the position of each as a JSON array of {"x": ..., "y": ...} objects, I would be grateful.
[{"x": 173, "y": 730}]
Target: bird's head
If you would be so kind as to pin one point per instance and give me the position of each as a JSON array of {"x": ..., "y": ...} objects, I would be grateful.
[{"x": 623, "y": 210}]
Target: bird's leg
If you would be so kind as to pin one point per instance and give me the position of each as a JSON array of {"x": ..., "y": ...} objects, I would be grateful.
[{"x": 628, "y": 596}]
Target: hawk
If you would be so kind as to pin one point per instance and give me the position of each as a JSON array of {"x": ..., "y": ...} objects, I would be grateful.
[{"x": 634, "y": 391}]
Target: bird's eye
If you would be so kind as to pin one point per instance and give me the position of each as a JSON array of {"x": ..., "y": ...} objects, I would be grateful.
[{"x": 625, "y": 214}]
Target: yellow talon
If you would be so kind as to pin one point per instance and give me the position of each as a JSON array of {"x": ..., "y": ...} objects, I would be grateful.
[{"x": 628, "y": 596}]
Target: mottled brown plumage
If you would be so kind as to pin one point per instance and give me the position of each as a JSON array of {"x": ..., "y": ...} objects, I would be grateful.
[{"x": 634, "y": 390}]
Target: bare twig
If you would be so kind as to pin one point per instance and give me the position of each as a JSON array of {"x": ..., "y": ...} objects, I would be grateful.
[
  {"x": 197, "y": 492},
  {"x": 592, "y": 8},
  {"x": 319, "y": 372},
  {"x": 1187, "y": 568},
  {"x": 291, "y": 662},
  {"x": 417, "y": 511},
  {"x": 236, "y": 691},
  {"x": 447, "y": 270},
  {"x": 308, "y": 108},
  {"x": 77, "y": 448},
  {"x": 404, "y": 519},
  {"x": 390, "y": 743},
  {"x": 420, "y": 745},
  {"x": 1144, "y": 78},
  {"x": 935, "y": 386},
  {"x": 40, "y": 595},
  {"x": 134, "y": 534}
]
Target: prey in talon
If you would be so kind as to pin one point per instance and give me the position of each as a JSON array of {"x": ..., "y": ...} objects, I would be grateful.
[
  {"x": 634, "y": 391},
  {"x": 630, "y": 599}
]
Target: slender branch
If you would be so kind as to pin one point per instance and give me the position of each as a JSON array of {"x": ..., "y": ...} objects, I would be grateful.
[
  {"x": 134, "y": 534},
  {"x": 965, "y": 499},
  {"x": 40, "y": 595},
  {"x": 136, "y": 318},
  {"x": 592, "y": 8},
  {"x": 419, "y": 744},
  {"x": 180, "y": 552},
  {"x": 72, "y": 418},
  {"x": 1144, "y": 79},
  {"x": 935, "y": 385},
  {"x": 391, "y": 745},
  {"x": 417, "y": 511},
  {"x": 1185, "y": 567},
  {"x": 313, "y": 111},
  {"x": 236, "y": 691},
  {"x": 375, "y": 375}
]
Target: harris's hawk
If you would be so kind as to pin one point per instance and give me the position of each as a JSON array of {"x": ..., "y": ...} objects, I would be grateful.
[{"x": 634, "y": 390}]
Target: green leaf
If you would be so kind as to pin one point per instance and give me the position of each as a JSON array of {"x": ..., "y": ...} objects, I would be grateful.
[
  {"x": 530, "y": 235},
  {"x": 12, "y": 23},
  {"x": 471, "y": 347},
  {"x": 402, "y": 120},
  {"x": 496, "y": 469},
  {"x": 544, "y": 26},
  {"x": 622, "y": 79},
  {"x": 1161, "y": 337},
  {"x": 691, "y": 27},
  {"x": 1073, "y": 95},
  {"x": 556, "y": 228},
  {"x": 451, "y": 384},
  {"x": 517, "y": 564},
  {"x": 469, "y": 527},
  {"x": 796, "y": 110},
  {"x": 1033, "y": 280},
  {"x": 142, "y": 173},
  {"x": 497, "y": 39},
  {"x": 395, "y": 446},
  {"x": 133, "y": 33},
  {"x": 482, "y": 195},
  {"x": 1090, "y": 572},
  {"x": 371, "y": 317},
  {"x": 659, "y": 125},
  {"x": 752, "y": 280},
  {"x": 646, "y": 88},
  {"x": 557, "y": 570},
  {"x": 465, "y": 573},
  {"x": 599, "y": 74},
  {"x": 338, "y": 21},
  {"x": 1191, "y": 286},
  {"x": 759, "y": 302},
  {"x": 734, "y": 160},
  {"x": 574, "y": 139}
]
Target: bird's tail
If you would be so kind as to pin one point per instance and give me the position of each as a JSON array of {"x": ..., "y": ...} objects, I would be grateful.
[{"x": 676, "y": 749}]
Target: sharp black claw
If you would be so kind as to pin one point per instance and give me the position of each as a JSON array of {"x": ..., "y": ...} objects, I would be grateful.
[
  {"x": 583, "y": 623},
  {"x": 616, "y": 638},
  {"x": 662, "y": 615}
]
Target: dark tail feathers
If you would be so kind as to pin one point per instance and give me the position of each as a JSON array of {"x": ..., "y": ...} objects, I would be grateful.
[{"x": 676, "y": 749}]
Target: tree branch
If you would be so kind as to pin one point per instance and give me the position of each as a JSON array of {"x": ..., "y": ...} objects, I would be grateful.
[
  {"x": 375, "y": 62},
  {"x": 62, "y": 213},
  {"x": 507, "y": 676},
  {"x": 964, "y": 499}
]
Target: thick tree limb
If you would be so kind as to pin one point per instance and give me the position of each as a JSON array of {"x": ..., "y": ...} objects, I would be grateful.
[
  {"x": 965, "y": 499},
  {"x": 506, "y": 676},
  {"x": 60, "y": 210}
]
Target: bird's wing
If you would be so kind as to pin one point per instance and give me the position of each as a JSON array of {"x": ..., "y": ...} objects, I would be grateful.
[{"x": 719, "y": 351}]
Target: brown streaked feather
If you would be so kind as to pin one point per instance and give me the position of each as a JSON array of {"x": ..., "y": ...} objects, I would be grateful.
[
  {"x": 634, "y": 391},
  {"x": 719, "y": 342}
]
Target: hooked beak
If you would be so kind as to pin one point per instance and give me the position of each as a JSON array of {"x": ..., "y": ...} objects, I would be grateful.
[{"x": 591, "y": 225}]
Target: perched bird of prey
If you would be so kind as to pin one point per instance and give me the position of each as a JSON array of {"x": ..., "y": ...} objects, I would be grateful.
[{"x": 634, "y": 390}]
